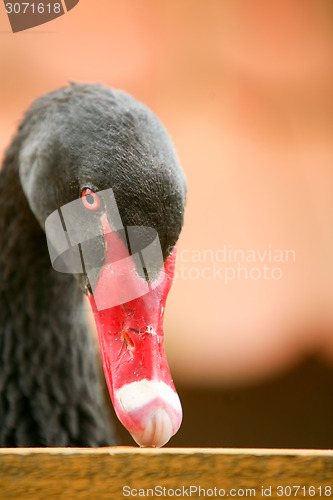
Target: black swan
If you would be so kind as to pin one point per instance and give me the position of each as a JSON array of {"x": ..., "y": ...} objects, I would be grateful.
[{"x": 83, "y": 145}]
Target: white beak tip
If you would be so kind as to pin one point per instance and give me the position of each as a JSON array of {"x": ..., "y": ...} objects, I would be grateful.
[{"x": 150, "y": 410}]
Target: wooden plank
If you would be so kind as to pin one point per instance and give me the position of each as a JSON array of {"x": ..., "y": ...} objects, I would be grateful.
[{"x": 126, "y": 472}]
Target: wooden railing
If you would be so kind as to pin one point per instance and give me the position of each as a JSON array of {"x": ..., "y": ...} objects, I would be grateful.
[{"x": 126, "y": 472}]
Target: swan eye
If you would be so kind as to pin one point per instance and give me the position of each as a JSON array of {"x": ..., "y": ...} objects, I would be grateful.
[{"x": 90, "y": 199}]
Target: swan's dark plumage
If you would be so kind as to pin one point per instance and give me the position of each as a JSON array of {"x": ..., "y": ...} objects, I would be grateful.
[{"x": 82, "y": 135}]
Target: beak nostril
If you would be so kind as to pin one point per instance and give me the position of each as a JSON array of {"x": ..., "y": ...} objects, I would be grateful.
[{"x": 127, "y": 339}]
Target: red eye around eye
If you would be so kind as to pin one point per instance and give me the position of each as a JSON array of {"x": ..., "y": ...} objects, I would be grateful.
[{"x": 90, "y": 199}]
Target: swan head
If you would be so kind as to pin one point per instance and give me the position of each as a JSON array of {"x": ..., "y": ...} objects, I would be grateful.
[{"x": 102, "y": 178}]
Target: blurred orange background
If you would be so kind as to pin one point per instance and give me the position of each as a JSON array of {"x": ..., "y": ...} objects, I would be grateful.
[{"x": 245, "y": 90}]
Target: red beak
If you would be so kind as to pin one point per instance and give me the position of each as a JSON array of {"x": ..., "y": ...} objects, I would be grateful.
[{"x": 131, "y": 342}]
